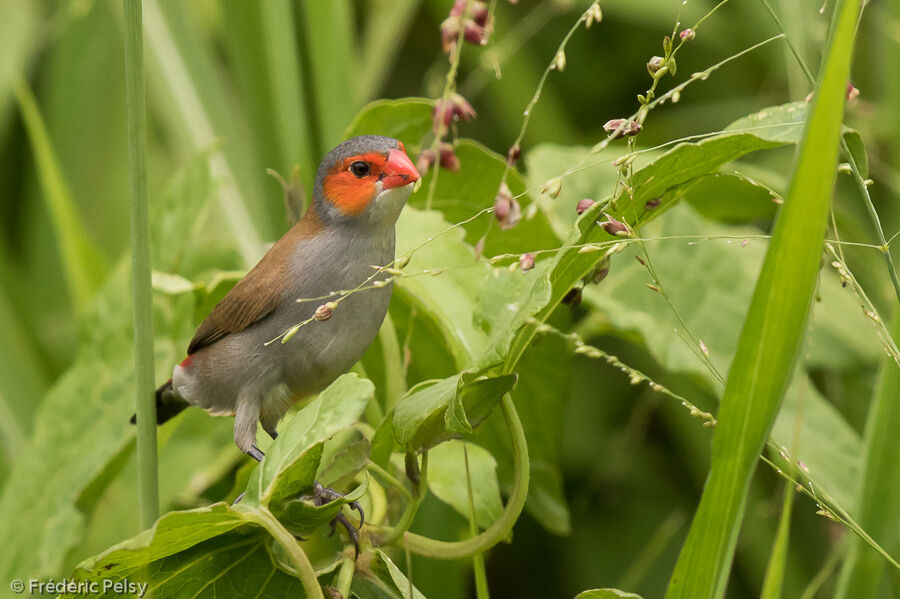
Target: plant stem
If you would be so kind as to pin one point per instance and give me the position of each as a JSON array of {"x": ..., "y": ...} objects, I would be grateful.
[
  {"x": 345, "y": 575},
  {"x": 307, "y": 574},
  {"x": 501, "y": 527},
  {"x": 148, "y": 484},
  {"x": 481, "y": 584}
]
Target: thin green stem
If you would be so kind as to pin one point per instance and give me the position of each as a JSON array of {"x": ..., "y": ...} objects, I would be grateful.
[
  {"x": 481, "y": 584},
  {"x": 386, "y": 476},
  {"x": 393, "y": 534},
  {"x": 345, "y": 575},
  {"x": 141, "y": 288},
  {"x": 500, "y": 529},
  {"x": 305, "y": 571}
]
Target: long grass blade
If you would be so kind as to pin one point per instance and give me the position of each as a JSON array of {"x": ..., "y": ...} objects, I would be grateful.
[
  {"x": 772, "y": 332},
  {"x": 83, "y": 264},
  {"x": 141, "y": 286},
  {"x": 329, "y": 41},
  {"x": 879, "y": 496}
]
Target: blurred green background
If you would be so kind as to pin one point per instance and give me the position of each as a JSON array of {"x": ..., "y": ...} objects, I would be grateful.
[{"x": 273, "y": 84}]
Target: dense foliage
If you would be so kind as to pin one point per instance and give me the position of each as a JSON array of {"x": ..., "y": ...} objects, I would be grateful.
[{"x": 541, "y": 407}]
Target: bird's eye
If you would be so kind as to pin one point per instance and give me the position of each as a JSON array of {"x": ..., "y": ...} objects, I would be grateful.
[{"x": 359, "y": 168}]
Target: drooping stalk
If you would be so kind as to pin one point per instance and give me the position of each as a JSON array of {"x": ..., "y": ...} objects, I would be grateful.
[{"x": 145, "y": 408}]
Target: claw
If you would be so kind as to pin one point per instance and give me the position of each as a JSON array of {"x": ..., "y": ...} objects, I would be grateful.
[
  {"x": 323, "y": 495},
  {"x": 255, "y": 453}
]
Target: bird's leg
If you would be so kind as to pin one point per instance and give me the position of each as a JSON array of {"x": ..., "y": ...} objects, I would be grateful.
[
  {"x": 325, "y": 495},
  {"x": 245, "y": 419}
]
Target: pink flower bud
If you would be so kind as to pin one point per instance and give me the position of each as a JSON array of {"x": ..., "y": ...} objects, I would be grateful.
[
  {"x": 513, "y": 155},
  {"x": 506, "y": 209},
  {"x": 621, "y": 127},
  {"x": 475, "y": 33},
  {"x": 572, "y": 297},
  {"x": 451, "y": 109},
  {"x": 448, "y": 158},
  {"x": 687, "y": 35},
  {"x": 615, "y": 227},
  {"x": 526, "y": 262},
  {"x": 651, "y": 204},
  {"x": 325, "y": 311},
  {"x": 584, "y": 205},
  {"x": 852, "y": 92},
  {"x": 450, "y": 32},
  {"x": 425, "y": 160},
  {"x": 655, "y": 64}
]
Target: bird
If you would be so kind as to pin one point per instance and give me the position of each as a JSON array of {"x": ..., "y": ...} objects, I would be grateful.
[{"x": 360, "y": 189}]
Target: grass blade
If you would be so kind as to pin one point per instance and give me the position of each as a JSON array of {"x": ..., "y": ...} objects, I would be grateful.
[
  {"x": 82, "y": 262},
  {"x": 879, "y": 501},
  {"x": 772, "y": 333},
  {"x": 386, "y": 22},
  {"x": 774, "y": 580},
  {"x": 148, "y": 482},
  {"x": 333, "y": 66}
]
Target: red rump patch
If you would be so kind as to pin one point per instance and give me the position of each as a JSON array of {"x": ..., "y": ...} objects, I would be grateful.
[{"x": 187, "y": 361}]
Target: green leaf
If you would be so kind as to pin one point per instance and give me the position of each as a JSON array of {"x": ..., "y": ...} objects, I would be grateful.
[
  {"x": 606, "y": 594},
  {"x": 878, "y": 497},
  {"x": 400, "y": 581},
  {"x": 302, "y": 517},
  {"x": 772, "y": 333},
  {"x": 447, "y": 480},
  {"x": 293, "y": 458},
  {"x": 419, "y": 418},
  {"x": 408, "y": 120},
  {"x": 207, "y": 552},
  {"x": 345, "y": 464},
  {"x": 446, "y": 300}
]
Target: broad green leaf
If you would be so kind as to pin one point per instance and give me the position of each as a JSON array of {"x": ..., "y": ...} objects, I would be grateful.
[
  {"x": 408, "y": 120},
  {"x": 461, "y": 195},
  {"x": 445, "y": 299},
  {"x": 302, "y": 517},
  {"x": 772, "y": 333},
  {"x": 400, "y": 581},
  {"x": 293, "y": 458},
  {"x": 345, "y": 464},
  {"x": 447, "y": 480},
  {"x": 419, "y": 418},
  {"x": 606, "y": 594},
  {"x": 207, "y": 552},
  {"x": 769, "y": 128}
]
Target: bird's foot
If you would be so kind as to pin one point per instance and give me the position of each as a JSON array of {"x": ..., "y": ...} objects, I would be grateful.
[
  {"x": 255, "y": 453},
  {"x": 325, "y": 495}
]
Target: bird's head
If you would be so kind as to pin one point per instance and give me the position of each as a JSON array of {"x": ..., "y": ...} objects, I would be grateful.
[{"x": 366, "y": 179}]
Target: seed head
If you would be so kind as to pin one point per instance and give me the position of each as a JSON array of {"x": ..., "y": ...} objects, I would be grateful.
[
  {"x": 526, "y": 262},
  {"x": 448, "y": 158},
  {"x": 622, "y": 127},
  {"x": 584, "y": 205},
  {"x": 651, "y": 204},
  {"x": 615, "y": 227},
  {"x": 655, "y": 64},
  {"x": 325, "y": 311},
  {"x": 506, "y": 209},
  {"x": 425, "y": 160},
  {"x": 687, "y": 35},
  {"x": 513, "y": 155},
  {"x": 552, "y": 187},
  {"x": 448, "y": 110}
]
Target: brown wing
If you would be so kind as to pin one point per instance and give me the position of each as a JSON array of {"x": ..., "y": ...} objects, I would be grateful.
[
  {"x": 251, "y": 300},
  {"x": 258, "y": 293}
]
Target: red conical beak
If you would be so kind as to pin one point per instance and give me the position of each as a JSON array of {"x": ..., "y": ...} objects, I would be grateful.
[{"x": 399, "y": 170}]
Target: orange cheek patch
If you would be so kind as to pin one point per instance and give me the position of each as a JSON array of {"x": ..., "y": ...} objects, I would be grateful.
[{"x": 349, "y": 194}]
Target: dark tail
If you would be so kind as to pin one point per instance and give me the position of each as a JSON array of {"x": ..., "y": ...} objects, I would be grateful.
[{"x": 168, "y": 404}]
